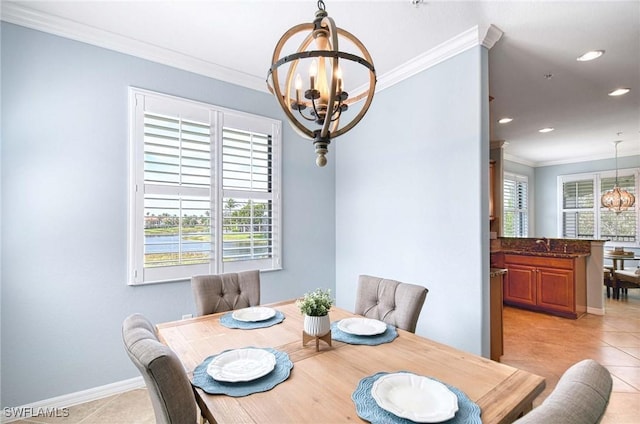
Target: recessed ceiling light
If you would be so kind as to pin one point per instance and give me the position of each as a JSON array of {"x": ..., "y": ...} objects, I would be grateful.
[
  {"x": 619, "y": 91},
  {"x": 546, "y": 130},
  {"x": 590, "y": 55},
  {"x": 504, "y": 120}
]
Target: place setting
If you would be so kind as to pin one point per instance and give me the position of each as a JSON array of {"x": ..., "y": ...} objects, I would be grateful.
[
  {"x": 404, "y": 397},
  {"x": 241, "y": 372},
  {"x": 252, "y": 317},
  {"x": 364, "y": 331}
]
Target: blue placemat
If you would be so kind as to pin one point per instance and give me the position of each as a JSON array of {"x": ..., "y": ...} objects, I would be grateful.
[
  {"x": 389, "y": 335},
  {"x": 279, "y": 374},
  {"x": 368, "y": 409},
  {"x": 228, "y": 321}
]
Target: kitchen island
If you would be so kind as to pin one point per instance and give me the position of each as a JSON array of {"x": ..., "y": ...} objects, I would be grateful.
[{"x": 545, "y": 275}]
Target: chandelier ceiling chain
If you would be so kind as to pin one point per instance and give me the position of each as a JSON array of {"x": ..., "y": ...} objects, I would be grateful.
[
  {"x": 316, "y": 112},
  {"x": 617, "y": 200}
]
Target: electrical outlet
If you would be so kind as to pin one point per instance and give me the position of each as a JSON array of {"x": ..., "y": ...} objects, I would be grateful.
[{"x": 187, "y": 316}]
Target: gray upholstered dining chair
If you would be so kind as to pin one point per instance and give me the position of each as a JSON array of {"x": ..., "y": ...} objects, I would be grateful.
[
  {"x": 580, "y": 397},
  {"x": 391, "y": 301},
  {"x": 225, "y": 292},
  {"x": 167, "y": 383}
]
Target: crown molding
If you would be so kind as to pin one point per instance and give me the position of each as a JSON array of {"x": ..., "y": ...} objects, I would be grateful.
[
  {"x": 516, "y": 159},
  {"x": 472, "y": 37},
  {"x": 491, "y": 36},
  {"x": 20, "y": 15}
]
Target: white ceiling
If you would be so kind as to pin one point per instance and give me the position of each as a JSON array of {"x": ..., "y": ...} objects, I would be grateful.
[{"x": 234, "y": 41}]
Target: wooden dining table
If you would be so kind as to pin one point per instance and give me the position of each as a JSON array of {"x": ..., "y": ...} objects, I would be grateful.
[
  {"x": 618, "y": 260},
  {"x": 321, "y": 383}
]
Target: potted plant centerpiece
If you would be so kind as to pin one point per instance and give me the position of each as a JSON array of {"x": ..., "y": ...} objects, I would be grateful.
[{"x": 315, "y": 307}]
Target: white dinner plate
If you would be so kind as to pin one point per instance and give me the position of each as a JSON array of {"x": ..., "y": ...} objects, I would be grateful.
[
  {"x": 415, "y": 397},
  {"x": 254, "y": 313},
  {"x": 362, "y": 326},
  {"x": 241, "y": 365}
]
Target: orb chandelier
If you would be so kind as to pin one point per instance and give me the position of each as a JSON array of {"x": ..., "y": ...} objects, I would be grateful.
[
  {"x": 616, "y": 199},
  {"x": 341, "y": 83}
]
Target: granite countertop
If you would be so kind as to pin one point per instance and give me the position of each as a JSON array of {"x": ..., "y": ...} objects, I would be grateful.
[{"x": 544, "y": 254}]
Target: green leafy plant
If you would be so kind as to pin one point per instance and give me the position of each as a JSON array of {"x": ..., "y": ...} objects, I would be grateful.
[{"x": 316, "y": 303}]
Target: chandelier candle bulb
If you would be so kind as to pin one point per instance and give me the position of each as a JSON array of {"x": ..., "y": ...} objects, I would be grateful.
[
  {"x": 313, "y": 71},
  {"x": 339, "y": 77},
  {"x": 298, "y": 87}
]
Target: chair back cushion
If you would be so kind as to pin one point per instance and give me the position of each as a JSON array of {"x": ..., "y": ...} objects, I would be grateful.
[
  {"x": 391, "y": 301},
  {"x": 581, "y": 397},
  {"x": 225, "y": 292},
  {"x": 166, "y": 379}
]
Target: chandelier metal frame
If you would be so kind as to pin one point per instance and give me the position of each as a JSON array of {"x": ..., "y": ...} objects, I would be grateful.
[
  {"x": 616, "y": 199},
  {"x": 324, "y": 110}
]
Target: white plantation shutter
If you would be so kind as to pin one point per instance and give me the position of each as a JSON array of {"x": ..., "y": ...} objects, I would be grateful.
[
  {"x": 582, "y": 215},
  {"x": 186, "y": 165},
  {"x": 515, "y": 206},
  {"x": 578, "y": 216},
  {"x": 248, "y": 197},
  {"x": 621, "y": 227}
]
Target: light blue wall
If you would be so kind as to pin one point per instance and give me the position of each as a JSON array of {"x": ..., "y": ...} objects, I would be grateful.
[
  {"x": 412, "y": 197},
  {"x": 64, "y": 212},
  {"x": 546, "y": 204}
]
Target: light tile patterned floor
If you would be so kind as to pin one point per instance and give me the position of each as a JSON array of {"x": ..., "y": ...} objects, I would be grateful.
[
  {"x": 540, "y": 343},
  {"x": 548, "y": 345}
]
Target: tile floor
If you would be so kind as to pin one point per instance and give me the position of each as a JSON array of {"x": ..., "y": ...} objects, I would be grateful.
[
  {"x": 548, "y": 345},
  {"x": 543, "y": 344}
]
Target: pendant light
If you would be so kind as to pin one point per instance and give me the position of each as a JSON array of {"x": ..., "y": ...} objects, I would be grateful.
[
  {"x": 316, "y": 110},
  {"x": 617, "y": 200}
]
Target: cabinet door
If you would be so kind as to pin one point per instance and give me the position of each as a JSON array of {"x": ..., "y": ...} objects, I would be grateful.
[
  {"x": 520, "y": 285},
  {"x": 556, "y": 289}
]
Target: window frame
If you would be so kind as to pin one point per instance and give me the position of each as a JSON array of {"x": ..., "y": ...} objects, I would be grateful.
[
  {"x": 518, "y": 179},
  {"x": 218, "y": 118},
  {"x": 597, "y": 209}
]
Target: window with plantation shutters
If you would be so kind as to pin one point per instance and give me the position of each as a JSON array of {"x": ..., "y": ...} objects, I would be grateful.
[
  {"x": 515, "y": 206},
  {"x": 578, "y": 214},
  {"x": 247, "y": 191},
  {"x": 205, "y": 186},
  {"x": 621, "y": 227},
  {"x": 582, "y": 215}
]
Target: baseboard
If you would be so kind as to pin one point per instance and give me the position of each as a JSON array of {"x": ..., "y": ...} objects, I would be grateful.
[
  {"x": 57, "y": 404},
  {"x": 595, "y": 311}
]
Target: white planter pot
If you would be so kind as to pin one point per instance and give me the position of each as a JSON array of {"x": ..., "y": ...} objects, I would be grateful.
[{"x": 317, "y": 326}]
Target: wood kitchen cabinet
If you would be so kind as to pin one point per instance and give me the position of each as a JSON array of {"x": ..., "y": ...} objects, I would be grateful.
[
  {"x": 549, "y": 284},
  {"x": 495, "y": 315}
]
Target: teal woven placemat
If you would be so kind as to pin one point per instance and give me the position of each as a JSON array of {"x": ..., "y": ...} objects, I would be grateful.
[
  {"x": 279, "y": 374},
  {"x": 228, "y": 321},
  {"x": 389, "y": 335},
  {"x": 368, "y": 409}
]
